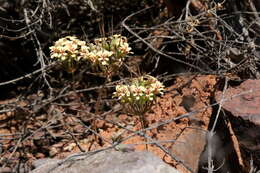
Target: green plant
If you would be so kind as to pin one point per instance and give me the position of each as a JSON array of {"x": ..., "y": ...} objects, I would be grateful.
[
  {"x": 138, "y": 96},
  {"x": 105, "y": 55},
  {"x": 69, "y": 51}
]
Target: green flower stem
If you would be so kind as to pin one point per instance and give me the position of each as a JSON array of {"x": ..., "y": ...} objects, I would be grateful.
[{"x": 144, "y": 126}]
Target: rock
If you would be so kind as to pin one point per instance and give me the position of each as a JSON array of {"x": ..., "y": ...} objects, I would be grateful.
[
  {"x": 243, "y": 109},
  {"x": 190, "y": 146},
  {"x": 245, "y": 106},
  {"x": 109, "y": 161},
  {"x": 5, "y": 170},
  {"x": 191, "y": 141},
  {"x": 45, "y": 161}
]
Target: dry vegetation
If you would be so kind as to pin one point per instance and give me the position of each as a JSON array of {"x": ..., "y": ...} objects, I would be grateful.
[{"x": 47, "y": 112}]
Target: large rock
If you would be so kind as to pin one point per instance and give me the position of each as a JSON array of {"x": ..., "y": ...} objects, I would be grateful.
[
  {"x": 243, "y": 108},
  {"x": 190, "y": 146},
  {"x": 107, "y": 162}
]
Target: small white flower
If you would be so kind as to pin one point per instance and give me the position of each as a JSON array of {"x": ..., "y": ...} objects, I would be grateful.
[
  {"x": 104, "y": 63},
  {"x": 63, "y": 58},
  {"x": 151, "y": 98},
  {"x": 141, "y": 92}
]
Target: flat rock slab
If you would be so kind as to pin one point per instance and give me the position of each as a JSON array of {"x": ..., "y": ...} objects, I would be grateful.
[
  {"x": 189, "y": 147},
  {"x": 243, "y": 101},
  {"x": 106, "y": 162},
  {"x": 242, "y": 105}
]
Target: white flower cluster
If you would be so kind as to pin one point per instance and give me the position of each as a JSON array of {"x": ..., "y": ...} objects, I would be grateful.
[
  {"x": 106, "y": 53},
  {"x": 68, "y": 48},
  {"x": 109, "y": 50},
  {"x": 141, "y": 91}
]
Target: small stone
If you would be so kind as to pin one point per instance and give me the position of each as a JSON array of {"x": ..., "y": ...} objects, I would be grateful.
[{"x": 53, "y": 151}]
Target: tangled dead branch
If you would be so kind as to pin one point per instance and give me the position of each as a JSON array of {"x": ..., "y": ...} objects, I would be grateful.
[{"x": 205, "y": 40}]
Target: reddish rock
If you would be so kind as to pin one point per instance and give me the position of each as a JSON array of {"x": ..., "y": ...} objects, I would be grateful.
[
  {"x": 5, "y": 170},
  {"x": 242, "y": 105},
  {"x": 243, "y": 101},
  {"x": 189, "y": 147}
]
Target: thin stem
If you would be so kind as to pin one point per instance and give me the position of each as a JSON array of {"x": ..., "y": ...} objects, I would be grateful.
[{"x": 144, "y": 125}]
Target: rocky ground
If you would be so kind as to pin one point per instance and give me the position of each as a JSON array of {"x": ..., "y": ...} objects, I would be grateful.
[
  {"x": 177, "y": 130},
  {"x": 55, "y": 121},
  {"x": 59, "y": 134}
]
